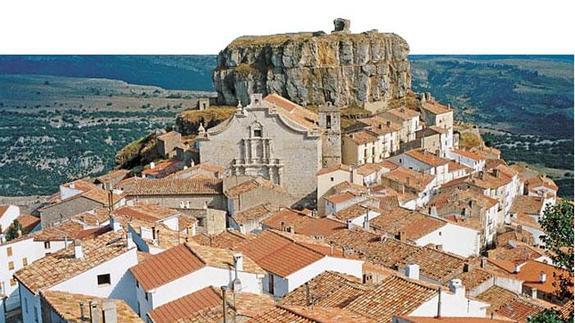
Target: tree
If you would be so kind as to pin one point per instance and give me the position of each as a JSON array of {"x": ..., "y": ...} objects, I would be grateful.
[
  {"x": 13, "y": 229},
  {"x": 557, "y": 223},
  {"x": 547, "y": 316}
]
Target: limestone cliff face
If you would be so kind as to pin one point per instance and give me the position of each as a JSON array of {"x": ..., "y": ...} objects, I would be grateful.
[{"x": 312, "y": 68}]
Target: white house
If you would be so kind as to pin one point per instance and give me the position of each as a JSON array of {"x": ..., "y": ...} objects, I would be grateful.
[
  {"x": 358, "y": 214},
  {"x": 467, "y": 158},
  {"x": 405, "y": 180},
  {"x": 97, "y": 267},
  {"x": 187, "y": 268},
  {"x": 290, "y": 263},
  {"x": 328, "y": 177},
  {"x": 339, "y": 201},
  {"x": 423, "y": 161},
  {"x": 8, "y": 213}
]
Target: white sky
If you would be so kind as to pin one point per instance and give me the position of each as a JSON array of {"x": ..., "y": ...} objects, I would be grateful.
[{"x": 205, "y": 27}]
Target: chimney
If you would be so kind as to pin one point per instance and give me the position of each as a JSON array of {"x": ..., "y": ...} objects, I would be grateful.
[
  {"x": 110, "y": 313},
  {"x": 95, "y": 313},
  {"x": 412, "y": 271},
  {"x": 224, "y": 303},
  {"x": 402, "y": 236},
  {"x": 116, "y": 226},
  {"x": 307, "y": 294},
  {"x": 438, "y": 302},
  {"x": 366, "y": 222},
  {"x": 152, "y": 165},
  {"x": 238, "y": 261},
  {"x": 519, "y": 229},
  {"x": 282, "y": 226},
  {"x": 433, "y": 211},
  {"x": 542, "y": 277},
  {"x": 82, "y": 317},
  {"x": 533, "y": 292},
  {"x": 483, "y": 262},
  {"x": 349, "y": 224},
  {"x": 205, "y": 205},
  {"x": 457, "y": 288},
  {"x": 78, "y": 252},
  {"x": 517, "y": 268},
  {"x": 18, "y": 233},
  {"x": 388, "y": 123}
]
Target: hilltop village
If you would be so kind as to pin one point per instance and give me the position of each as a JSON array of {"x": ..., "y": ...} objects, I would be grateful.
[{"x": 287, "y": 213}]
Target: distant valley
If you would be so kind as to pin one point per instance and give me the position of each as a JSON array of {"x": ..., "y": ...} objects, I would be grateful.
[{"x": 64, "y": 117}]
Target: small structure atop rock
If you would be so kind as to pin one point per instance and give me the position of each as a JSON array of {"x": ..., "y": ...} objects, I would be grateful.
[{"x": 341, "y": 25}]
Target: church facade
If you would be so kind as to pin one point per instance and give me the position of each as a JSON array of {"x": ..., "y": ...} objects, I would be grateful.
[{"x": 271, "y": 137}]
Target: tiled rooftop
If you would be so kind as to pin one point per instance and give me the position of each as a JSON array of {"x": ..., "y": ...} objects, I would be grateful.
[
  {"x": 394, "y": 296},
  {"x": 413, "y": 224},
  {"x": 404, "y": 113},
  {"x": 278, "y": 254},
  {"x": 426, "y": 157},
  {"x": 67, "y": 306},
  {"x": 182, "y": 260},
  {"x": 352, "y": 212},
  {"x": 62, "y": 265},
  {"x": 508, "y": 304},
  {"x": 328, "y": 289},
  {"x": 362, "y": 137},
  {"x": 327, "y": 170},
  {"x": 435, "y": 107},
  {"x": 145, "y": 212},
  {"x": 312, "y": 314},
  {"x": 524, "y": 204},
  {"x": 530, "y": 271},
  {"x": 293, "y": 112},
  {"x": 252, "y": 184},
  {"x": 228, "y": 239},
  {"x": 255, "y": 213},
  {"x": 409, "y": 178},
  {"x": 467, "y": 154},
  {"x": 302, "y": 224},
  {"x": 172, "y": 186}
]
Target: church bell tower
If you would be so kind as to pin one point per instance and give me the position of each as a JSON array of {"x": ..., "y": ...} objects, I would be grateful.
[{"x": 329, "y": 121}]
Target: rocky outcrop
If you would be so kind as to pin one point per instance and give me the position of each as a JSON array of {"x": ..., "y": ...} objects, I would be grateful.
[{"x": 313, "y": 68}]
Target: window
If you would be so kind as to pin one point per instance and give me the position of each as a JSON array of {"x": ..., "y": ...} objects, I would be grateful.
[
  {"x": 104, "y": 280},
  {"x": 146, "y": 295},
  {"x": 328, "y": 122},
  {"x": 258, "y": 133},
  {"x": 25, "y": 261},
  {"x": 10, "y": 265},
  {"x": 331, "y": 179},
  {"x": 46, "y": 244},
  {"x": 9, "y": 251}
]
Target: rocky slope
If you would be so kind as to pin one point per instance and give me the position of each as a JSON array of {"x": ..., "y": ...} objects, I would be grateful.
[{"x": 312, "y": 68}]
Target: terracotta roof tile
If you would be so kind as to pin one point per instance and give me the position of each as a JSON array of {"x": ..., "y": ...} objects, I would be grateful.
[
  {"x": 315, "y": 314},
  {"x": 352, "y": 212},
  {"x": 435, "y": 107},
  {"x": 426, "y": 157},
  {"x": 145, "y": 212},
  {"x": 413, "y": 224},
  {"x": 301, "y": 223},
  {"x": 278, "y": 254},
  {"x": 62, "y": 265},
  {"x": 181, "y": 260},
  {"x": 394, "y": 296},
  {"x": 298, "y": 114},
  {"x": 187, "y": 306},
  {"x": 66, "y": 306},
  {"x": 327, "y": 170},
  {"x": 328, "y": 289},
  {"x": 404, "y": 113},
  {"x": 256, "y": 213},
  {"x": 467, "y": 154},
  {"x": 362, "y": 137},
  {"x": 530, "y": 271},
  {"x": 228, "y": 239},
  {"x": 252, "y": 184},
  {"x": 28, "y": 222},
  {"x": 172, "y": 186},
  {"x": 508, "y": 304},
  {"x": 409, "y": 178}
]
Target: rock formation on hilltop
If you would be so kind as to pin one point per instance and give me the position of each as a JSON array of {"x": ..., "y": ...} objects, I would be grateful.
[{"x": 312, "y": 68}]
